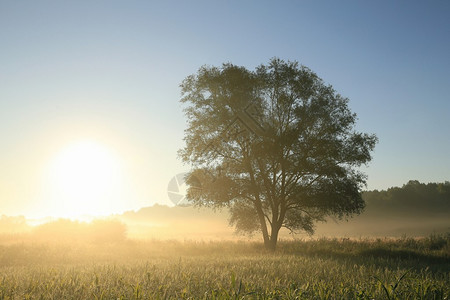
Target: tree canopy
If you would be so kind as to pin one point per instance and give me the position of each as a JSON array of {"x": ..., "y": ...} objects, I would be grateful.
[{"x": 276, "y": 145}]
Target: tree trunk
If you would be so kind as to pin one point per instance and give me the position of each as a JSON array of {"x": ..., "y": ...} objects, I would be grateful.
[
  {"x": 266, "y": 236},
  {"x": 262, "y": 222},
  {"x": 272, "y": 244},
  {"x": 264, "y": 231}
]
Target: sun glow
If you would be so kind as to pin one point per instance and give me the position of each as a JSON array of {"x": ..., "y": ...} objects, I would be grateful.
[{"x": 85, "y": 178}]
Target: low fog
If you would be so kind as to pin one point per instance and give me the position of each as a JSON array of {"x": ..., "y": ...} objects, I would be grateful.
[{"x": 414, "y": 210}]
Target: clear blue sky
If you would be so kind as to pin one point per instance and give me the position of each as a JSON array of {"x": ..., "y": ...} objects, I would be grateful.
[{"x": 110, "y": 71}]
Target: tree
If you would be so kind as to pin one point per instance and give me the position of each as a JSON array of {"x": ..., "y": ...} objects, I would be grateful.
[{"x": 276, "y": 146}]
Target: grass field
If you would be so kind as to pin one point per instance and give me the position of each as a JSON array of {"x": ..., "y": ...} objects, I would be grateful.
[{"x": 403, "y": 268}]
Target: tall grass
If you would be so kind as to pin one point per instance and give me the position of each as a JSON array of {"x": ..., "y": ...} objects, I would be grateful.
[{"x": 318, "y": 269}]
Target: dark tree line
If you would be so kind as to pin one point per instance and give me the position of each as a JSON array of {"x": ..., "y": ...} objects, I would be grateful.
[{"x": 412, "y": 198}]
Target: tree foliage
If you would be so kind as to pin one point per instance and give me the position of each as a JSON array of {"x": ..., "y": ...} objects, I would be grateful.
[{"x": 277, "y": 146}]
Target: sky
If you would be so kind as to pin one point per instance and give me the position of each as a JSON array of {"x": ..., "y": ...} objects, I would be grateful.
[{"x": 106, "y": 75}]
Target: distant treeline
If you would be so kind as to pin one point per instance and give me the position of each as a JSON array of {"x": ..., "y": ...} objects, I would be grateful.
[
  {"x": 99, "y": 231},
  {"x": 13, "y": 225},
  {"x": 413, "y": 198}
]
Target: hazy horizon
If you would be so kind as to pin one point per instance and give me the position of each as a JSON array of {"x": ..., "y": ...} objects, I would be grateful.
[{"x": 387, "y": 214}]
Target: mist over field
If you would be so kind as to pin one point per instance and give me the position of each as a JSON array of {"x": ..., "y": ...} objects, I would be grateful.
[{"x": 414, "y": 210}]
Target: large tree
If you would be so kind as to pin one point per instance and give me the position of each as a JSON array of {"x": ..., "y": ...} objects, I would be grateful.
[{"x": 275, "y": 145}]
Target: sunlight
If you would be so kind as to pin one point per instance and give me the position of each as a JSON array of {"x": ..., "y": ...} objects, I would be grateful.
[{"x": 85, "y": 179}]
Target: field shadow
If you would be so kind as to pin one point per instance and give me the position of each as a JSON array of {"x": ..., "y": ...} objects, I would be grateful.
[
  {"x": 431, "y": 253},
  {"x": 388, "y": 258},
  {"x": 402, "y": 254}
]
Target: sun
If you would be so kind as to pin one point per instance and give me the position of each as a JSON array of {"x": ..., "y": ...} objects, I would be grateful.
[{"x": 85, "y": 178}]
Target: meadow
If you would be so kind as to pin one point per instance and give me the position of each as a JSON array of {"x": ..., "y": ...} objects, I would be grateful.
[{"x": 402, "y": 268}]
